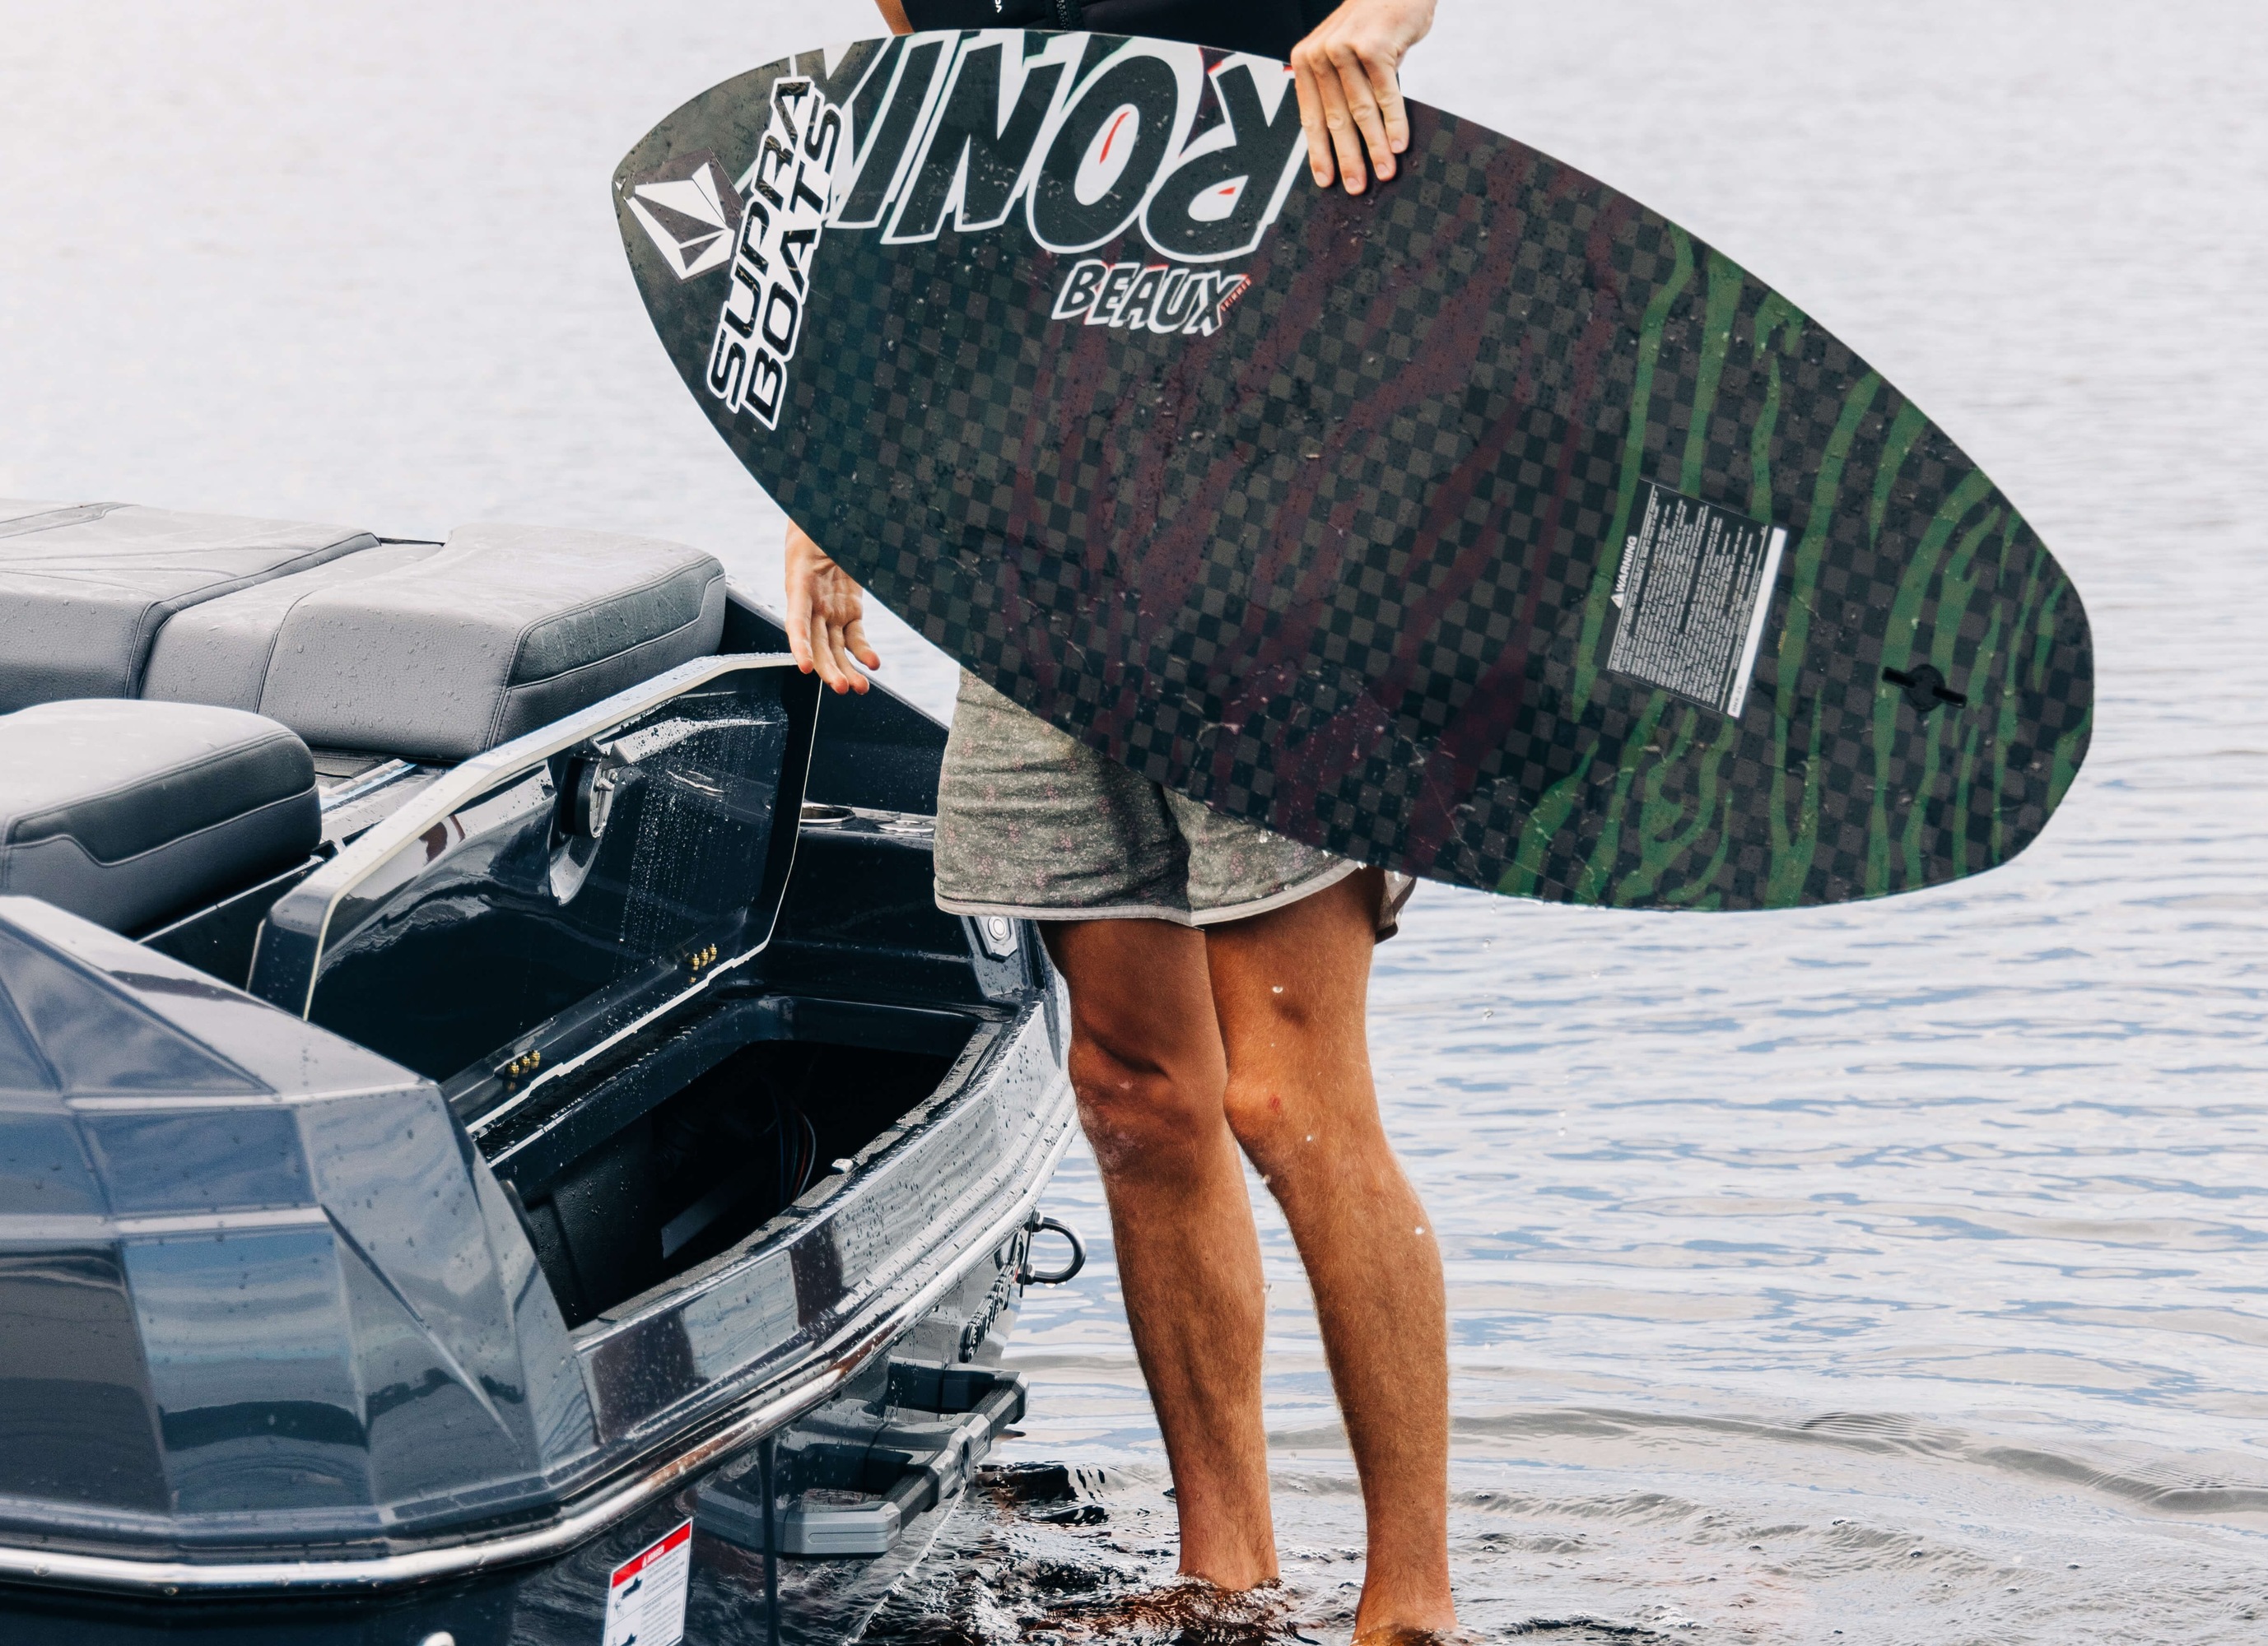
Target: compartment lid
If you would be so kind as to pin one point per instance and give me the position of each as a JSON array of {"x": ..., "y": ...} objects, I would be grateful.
[{"x": 545, "y": 900}]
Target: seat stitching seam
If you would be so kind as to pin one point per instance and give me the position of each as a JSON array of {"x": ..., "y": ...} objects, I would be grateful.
[
  {"x": 215, "y": 758},
  {"x": 520, "y": 644},
  {"x": 506, "y": 698},
  {"x": 275, "y": 639},
  {"x": 137, "y": 661},
  {"x": 114, "y": 863}
]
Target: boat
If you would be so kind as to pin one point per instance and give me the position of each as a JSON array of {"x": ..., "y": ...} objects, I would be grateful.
[{"x": 497, "y": 1142}]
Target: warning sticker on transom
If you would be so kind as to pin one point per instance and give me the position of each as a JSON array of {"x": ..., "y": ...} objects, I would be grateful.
[
  {"x": 645, "y": 1596},
  {"x": 1691, "y": 598}
]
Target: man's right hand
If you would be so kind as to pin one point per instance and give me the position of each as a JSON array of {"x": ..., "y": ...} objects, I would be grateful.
[{"x": 825, "y": 616}]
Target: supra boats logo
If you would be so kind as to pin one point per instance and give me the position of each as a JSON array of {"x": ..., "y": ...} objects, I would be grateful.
[
  {"x": 787, "y": 190},
  {"x": 766, "y": 226},
  {"x": 1069, "y": 138}
]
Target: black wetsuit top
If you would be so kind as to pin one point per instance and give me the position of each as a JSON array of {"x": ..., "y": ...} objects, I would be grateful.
[{"x": 1270, "y": 28}]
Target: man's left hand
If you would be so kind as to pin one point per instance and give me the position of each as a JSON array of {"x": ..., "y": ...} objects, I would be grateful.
[{"x": 1349, "y": 94}]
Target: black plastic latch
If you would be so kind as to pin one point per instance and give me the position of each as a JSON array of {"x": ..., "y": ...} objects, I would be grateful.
[{"x": 1924, "y": 688}]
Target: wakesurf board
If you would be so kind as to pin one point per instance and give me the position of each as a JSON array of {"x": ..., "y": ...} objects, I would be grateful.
[{"x": 1486, "y": 525}]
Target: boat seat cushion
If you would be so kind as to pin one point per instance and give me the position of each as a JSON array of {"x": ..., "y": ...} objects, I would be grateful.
[
  {"x": 219, "y": 651},
  {"x": 127, "y": 813},
  {"x": 85, "y": 588},
  {"x": 437, "y": 652}
]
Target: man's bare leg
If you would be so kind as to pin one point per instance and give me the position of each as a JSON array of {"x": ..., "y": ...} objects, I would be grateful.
[
  {"x": 1289, "y": 989},
  {"x": 1146, "y": 1062}
]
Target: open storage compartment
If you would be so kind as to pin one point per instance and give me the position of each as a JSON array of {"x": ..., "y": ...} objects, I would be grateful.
[{"x": 633, "y": 1181}]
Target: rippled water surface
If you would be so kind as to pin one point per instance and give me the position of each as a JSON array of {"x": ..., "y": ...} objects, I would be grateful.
[{"x": 1892, "y": 1272}]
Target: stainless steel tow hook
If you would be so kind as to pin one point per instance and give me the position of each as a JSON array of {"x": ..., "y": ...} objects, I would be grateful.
[{"x": 1030, "y": 1276}]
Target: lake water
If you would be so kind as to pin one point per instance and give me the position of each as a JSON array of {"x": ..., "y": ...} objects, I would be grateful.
[{"x": 1892, "y": 1272}]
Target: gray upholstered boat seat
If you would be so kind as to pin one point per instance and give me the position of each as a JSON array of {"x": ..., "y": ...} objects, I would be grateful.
[
  {"x": 130, "y": 813},
  {"x": 84, "y": 588},
  {"x": 439, "y": 652}
]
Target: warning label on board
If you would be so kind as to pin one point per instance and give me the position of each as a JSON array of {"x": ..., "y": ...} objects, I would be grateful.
[
  {"x": 645, "y": 1597},
  {"x": 1691, "y": 598}
]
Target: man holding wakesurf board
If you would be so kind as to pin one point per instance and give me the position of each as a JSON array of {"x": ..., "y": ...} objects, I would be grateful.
[
  {"x": 1217, "y": 974},
  {"x": 1489, "y": 526}
]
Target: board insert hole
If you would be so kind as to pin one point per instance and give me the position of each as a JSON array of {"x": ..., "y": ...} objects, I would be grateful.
[{"x": 1925, "y": 689}]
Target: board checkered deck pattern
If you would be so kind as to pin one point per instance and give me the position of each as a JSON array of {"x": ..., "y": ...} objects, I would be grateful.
[{"x": 1345, "y": 567}]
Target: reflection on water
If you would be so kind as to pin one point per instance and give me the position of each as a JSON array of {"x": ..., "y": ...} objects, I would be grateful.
[{"x": 1883, "y": 1273}]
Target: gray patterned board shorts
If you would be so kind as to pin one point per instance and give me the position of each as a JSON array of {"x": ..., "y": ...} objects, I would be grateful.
[{"x": 1032, "y": 824}]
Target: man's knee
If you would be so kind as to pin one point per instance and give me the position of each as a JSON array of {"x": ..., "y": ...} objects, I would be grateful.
[
  {"x": 1270, "y": 1122},
  {"x": 1279, "y": 1044},
  {"x": 1145, "y": 1106}
]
